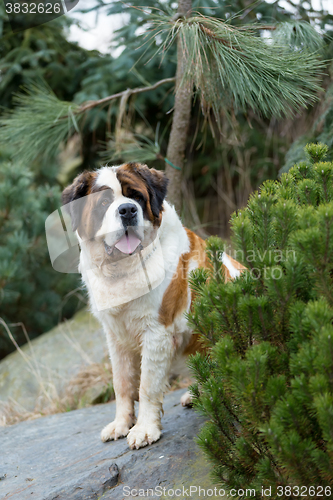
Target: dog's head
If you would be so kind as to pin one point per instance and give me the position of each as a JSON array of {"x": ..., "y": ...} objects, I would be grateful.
[{"x": 119, "y": 206}]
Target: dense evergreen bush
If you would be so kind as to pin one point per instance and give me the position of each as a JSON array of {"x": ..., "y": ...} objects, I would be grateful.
[
  {"x": 31, "y": 292},
  {"x": 267, "y": 381}
]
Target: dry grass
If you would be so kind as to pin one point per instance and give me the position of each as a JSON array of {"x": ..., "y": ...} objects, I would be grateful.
[{"x": 91, "y": 385}]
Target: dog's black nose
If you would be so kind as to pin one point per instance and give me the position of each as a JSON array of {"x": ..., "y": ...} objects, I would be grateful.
[{"x": 127, "y": 210}]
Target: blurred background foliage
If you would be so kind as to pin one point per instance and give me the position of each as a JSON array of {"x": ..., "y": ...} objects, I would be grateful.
[{"x": 220, "y": 171}]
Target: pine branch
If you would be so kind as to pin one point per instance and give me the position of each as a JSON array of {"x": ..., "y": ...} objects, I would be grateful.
[
  {"x": 92, "y": 104},
  {"x": 40, "y": 122},
  {"x": 298, "y": 35},
  {"x": 273, "y": 79},
  {"x": 211, "y": 33}
]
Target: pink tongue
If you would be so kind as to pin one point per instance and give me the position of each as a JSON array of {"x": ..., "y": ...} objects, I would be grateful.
[{"x": 128, "y": 243}]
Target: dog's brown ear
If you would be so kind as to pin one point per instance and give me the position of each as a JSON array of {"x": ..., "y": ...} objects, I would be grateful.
[
  {"x": 157, "y": 184},
  {"x": 73, "y": 196}
]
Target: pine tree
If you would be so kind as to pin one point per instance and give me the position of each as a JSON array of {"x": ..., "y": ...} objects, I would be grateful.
[
  {"x": 266, "y": 383},
  {"x": 227, "y": 66}
]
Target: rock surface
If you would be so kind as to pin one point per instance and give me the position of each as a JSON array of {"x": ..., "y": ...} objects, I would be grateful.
[
  {"x": 53, "y": 358},
  {"x": 61, "y": 457}
]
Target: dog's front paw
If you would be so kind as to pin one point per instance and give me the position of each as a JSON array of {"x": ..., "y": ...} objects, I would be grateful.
[
  {"x": 142, "y": 435},
  {"x": 117, "y": 429}
]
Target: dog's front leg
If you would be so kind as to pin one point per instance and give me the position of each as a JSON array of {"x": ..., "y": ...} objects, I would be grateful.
[
  {"x": 126, "y": 376},
  {"x": 157, "y": 350}
]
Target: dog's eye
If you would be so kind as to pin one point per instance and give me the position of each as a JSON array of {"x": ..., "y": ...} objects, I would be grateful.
[{"x": 137, "y": 196}]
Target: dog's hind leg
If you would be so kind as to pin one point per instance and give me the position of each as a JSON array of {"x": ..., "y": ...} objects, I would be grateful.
[{"x": 186, "y": 399}]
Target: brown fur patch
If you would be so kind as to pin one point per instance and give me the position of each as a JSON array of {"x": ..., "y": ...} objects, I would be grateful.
[
  {"x": 175, "y": 297},
  {"x": 149, "y": 184},
  {"x": 197, "y": 249}
]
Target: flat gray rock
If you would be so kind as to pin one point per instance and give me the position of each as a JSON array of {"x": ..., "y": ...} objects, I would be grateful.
[{"x": 61, "y": 457}]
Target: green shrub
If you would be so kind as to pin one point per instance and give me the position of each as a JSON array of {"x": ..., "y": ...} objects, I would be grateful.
[{"x": 267, "y": 383}]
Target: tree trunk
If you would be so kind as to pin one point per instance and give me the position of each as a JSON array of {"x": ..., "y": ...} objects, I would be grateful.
[{"x": 180, "y": 123}]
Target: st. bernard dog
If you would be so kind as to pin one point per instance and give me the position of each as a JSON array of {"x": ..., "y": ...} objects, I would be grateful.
[{"x": 135, "y": 260}]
